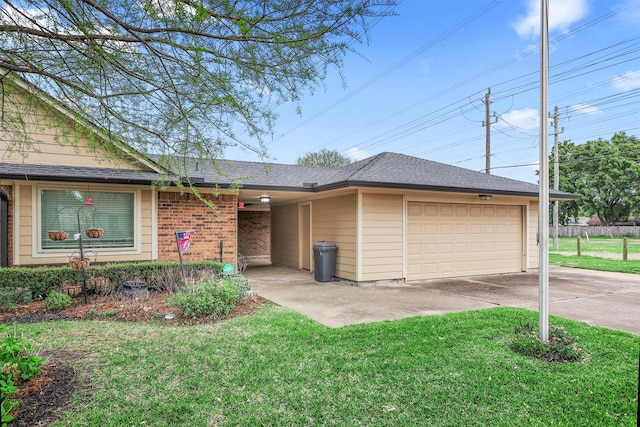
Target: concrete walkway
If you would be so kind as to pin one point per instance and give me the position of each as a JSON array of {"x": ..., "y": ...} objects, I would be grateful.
[{"x": 605, "y": 299}]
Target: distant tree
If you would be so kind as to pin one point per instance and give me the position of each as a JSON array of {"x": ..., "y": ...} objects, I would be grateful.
[
  {"x": 324, "y": 158},
  {"x": 605, "y": 173}
]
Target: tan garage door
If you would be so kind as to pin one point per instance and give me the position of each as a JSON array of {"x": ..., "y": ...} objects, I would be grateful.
[{"x": 450, "y": 240}]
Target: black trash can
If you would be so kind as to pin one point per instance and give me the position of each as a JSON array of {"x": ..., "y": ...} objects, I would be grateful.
[{"x": 324, "y": 260}]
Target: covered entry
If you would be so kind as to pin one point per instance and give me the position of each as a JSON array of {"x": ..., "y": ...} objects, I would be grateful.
[{"x": 450, "y": 240}]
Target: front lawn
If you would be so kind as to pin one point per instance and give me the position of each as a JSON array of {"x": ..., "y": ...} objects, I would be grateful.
[
  {"x": 600, "y": 253},
  {"x": 277, "y": 368},
  {"x": 595, "y": 263},
  {"x": 596, "y": 245}
]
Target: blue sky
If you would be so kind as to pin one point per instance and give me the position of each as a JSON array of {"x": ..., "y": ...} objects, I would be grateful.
[{"x": 418, "y": 86}]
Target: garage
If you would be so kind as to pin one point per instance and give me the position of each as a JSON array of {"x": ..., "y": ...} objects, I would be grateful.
[{"x": 452, "y": 240}]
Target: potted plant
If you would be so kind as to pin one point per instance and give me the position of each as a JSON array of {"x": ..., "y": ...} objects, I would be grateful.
[
  {"x": 78, "y": 263},
  {"x": 57, "y": 234},
  {"x": 94, "y": 233}
]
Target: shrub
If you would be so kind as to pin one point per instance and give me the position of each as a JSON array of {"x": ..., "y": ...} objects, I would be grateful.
[
  {"x": 10, "y": 297},
  {"x": 560, "y": 348},
  {"x": 213, "y": 296},
  {"x": 43, "y": 280},
  {"x": 16, "y": 365},
  {"x": 57, "y": 301}
]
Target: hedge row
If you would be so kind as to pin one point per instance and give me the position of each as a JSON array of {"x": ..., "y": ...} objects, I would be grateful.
[{"x": 42, "y": 280}]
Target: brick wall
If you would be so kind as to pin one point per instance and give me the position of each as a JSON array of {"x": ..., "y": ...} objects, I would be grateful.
[
  {"x": 254, "y": 233},
  {"x": 8, "y": 191},
  {"x": 178, "y": 212}
]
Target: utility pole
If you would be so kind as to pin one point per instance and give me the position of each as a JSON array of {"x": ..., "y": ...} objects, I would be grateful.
[
  {"x": 487, "y": 123},
  {"x": 543, "y": 201},
  {"x": 556, "y": 174}
]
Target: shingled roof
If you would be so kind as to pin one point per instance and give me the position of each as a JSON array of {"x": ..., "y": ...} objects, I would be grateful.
[{"x": 384, "y": 170}]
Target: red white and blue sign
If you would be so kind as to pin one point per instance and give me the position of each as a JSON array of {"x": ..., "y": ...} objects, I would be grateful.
[{"x": 184, "y": 240}]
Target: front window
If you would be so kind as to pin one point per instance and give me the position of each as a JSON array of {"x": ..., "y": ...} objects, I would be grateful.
[{"x": 76, "y": 211}]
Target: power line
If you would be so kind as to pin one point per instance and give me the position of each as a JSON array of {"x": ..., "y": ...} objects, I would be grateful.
[{"x": 451, "y": 31}]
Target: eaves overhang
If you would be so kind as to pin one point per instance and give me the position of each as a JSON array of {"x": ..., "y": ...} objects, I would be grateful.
[
  {"x": 558, "y": 195},
  {"x": 87, "y": 179}
]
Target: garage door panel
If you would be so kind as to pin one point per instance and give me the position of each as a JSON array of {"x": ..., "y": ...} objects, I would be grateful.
[
  {"x": 446, "y": 210},
  {"x": 462, "y": 228},
  {"x": 414, "y": 249},
  {"x": 458, "y": 239},
  {"x": 446, "y": 248},
  {"x": 429, "y": 210}
]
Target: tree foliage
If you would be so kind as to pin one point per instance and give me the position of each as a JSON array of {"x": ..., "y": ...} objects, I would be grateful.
[
  {"x": 605, "y": 173},
  {"x": 178, "y": 77},
  {"x": 324, "y": 158}
]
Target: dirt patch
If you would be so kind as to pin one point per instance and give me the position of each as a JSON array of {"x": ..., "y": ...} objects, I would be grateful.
[
  {"x": 43, "y": 398},
  {"x": 151, "y": 306}
]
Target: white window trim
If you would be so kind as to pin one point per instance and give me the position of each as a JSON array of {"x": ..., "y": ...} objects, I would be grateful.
[{"x": 36, "y": 244}]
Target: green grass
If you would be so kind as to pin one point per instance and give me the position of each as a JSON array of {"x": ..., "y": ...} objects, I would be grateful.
[
  {"x": 599, "y": 245},
  {"x": 595, "y": 263},
  {"x": 278, "y": 368},
  {"x": 596, "y": 244}
]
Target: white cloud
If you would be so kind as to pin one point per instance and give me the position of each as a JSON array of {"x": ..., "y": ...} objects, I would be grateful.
[
  {"x": 262, "y": 90},
  {"x": 525, "y": 119},
  {"x": 356, "y": 154},
  {"x": 628, "y": 81},
  {"x": 168, "y": 8},
  {"x": 30, "y": 18},
  {"x": 562, "y": 13},
  {"x": 587, "y": 109},
  {"x": 48, "y": 19}
]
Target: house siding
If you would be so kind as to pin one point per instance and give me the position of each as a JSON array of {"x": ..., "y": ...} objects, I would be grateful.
[
  {"x": 334, "y": 220},
  {"x": 51, "y": 145},
  {"x": 533, "y": 256},
  {"x": 382, "y": 237},
  {"x": 25, "y": 224},
  {"x": 284, "y": 235},
  {"x": 183, "y": 212}
]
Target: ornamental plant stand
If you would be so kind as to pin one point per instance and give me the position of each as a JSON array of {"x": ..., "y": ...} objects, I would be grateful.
[{"x": 80, "y": 262}]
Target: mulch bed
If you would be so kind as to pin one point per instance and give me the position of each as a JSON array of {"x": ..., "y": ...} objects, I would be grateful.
[{"x": 43, "y": 398}]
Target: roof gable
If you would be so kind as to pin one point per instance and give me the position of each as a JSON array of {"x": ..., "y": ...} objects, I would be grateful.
[{"x": 57, "y": 135}]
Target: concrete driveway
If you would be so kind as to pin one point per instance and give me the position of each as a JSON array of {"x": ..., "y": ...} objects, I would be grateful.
[{"x": 598, "y": 298}]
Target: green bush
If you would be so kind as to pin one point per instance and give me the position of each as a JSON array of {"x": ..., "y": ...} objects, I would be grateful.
[
  {"x": 11, "y": 297},
  {"x": 213, "y": 296},
  {"x": 43, "y": 280},
  {"x": 57, "y": 301},
  {"x": 16, "y": 365},
  {"x": 560, "y": 348}
]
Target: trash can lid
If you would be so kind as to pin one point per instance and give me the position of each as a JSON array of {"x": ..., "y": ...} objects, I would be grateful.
[{"x": 324, "y": 245}]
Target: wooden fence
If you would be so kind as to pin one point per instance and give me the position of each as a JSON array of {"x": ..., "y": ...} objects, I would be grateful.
[{"x": 598, "y": 230}]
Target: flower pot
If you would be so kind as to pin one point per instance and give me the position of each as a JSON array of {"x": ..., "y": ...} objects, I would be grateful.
[
  {"x": 94, "y": 233},
  {"x": 78, "y": 263},
  {"x": 72, "y": 290},
  {"x": 58, "y": 234},
  {"x": 99, "y": 284}
]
